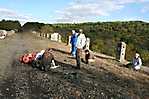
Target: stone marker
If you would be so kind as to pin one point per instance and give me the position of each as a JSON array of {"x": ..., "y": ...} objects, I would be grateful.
[
  {"x": 38, "y": 34},
  {"x": 59, "y": 38},
  {"x": 56, "y": 37},
  {"x": 34, "y": 32},
  {"x": 44, "y": 35},
  {"x": 121, "y": 48},
  {"x": 3, "y": 34},
  {"x": 69, "y": 41},
  {"x": 87, "y": 43},
  {"x": 48, "y": 35}
]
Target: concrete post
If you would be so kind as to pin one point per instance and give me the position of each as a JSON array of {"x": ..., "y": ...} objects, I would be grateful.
[
  {"x": 69, "y": 41},
  {"x": 59, "y": 38},
  {"x": 121, "y": 48},
  {"x": 48, "y": 35},
  {"x": 44, "y": 35},
  {"x": 38, "y": 35},
  {"x": 55, "y": 37},
  {"x": 87, "y": 43},
  {"x": 122, "y": 54}
]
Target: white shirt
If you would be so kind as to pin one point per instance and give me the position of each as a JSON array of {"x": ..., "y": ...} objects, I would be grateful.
[
  {"x": 137, "y": 62},
  {"x": 38, "y": 55},
  {"x": 81, "y": 41}
]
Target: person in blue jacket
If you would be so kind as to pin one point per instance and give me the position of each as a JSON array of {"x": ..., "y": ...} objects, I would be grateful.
[{"x": 73, "y": 42}]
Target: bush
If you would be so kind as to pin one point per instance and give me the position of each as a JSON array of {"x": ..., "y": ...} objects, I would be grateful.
[{"x": 145, "y": 56}]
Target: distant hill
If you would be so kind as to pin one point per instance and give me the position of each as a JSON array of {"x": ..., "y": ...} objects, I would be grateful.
[
  {"x": 10, "y": 25},
  {"x": 104, "y": 35}
]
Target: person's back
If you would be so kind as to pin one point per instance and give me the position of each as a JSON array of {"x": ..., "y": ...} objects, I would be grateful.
[
  {"x": 73, "y": 42},
  {"x": 81, "y": 41},
  {"x": 74, "y": 39},
  {"x": 39, "y": 55}
]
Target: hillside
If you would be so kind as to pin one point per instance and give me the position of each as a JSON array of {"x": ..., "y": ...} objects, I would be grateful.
[
  {"x": 105, "y": 79},
  {"x": 104, "y": 35}
]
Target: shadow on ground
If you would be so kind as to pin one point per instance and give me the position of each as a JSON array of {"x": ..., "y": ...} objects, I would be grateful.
[{"x": 66, "y": 82}]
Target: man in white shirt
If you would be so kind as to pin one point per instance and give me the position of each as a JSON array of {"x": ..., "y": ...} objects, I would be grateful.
[
  {"x": 137, "y": 62},
  {"x": 81, "y": 42}
]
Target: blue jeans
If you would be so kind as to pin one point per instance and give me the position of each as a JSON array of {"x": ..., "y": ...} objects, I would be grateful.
[{"x": 73, "y": 50}]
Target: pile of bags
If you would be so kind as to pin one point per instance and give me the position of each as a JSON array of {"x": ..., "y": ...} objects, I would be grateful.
[{"x": 28, "y": 58}]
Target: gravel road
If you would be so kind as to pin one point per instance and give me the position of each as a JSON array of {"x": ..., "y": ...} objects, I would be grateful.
[{"x": 101, "y": 80}]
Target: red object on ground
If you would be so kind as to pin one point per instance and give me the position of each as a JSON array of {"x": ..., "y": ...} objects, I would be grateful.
[{"x": 27, "y": 58}]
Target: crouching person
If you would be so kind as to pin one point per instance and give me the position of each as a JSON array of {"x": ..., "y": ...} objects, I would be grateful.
[
  {"x": 48, "y": 60},
  {"x": 137, "y": 62},
  {"x": 44, "y": 60},
  {"x": 38, "y": 58},
  {"x": 89, "y": 57}
]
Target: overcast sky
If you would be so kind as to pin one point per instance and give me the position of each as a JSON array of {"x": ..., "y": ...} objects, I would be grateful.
[{"x": 70, "y": 11}]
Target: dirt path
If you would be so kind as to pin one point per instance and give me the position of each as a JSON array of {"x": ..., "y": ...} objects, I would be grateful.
[
  {"x": 102, "y": 80},
  {"x": 12, "y": 47}
]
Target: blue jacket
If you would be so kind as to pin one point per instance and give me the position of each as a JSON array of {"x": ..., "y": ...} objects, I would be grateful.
[{"x": 73, "y": 40}]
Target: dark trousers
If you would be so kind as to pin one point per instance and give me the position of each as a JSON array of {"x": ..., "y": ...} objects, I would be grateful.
[
  {"x": 87, "y": 56},
  {"x": 78, "y": 58}
]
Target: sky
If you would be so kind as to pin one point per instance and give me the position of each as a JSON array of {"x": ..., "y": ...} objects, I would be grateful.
[{"x": 74, "y": 11}]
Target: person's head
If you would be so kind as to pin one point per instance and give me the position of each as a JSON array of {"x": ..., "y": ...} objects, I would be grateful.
[
  {"x": 137, "y": 55},
  {"x": 42, "y": 51},
  {"x": 86, "y": 51},
  {"x": 73, "y": 31},
  {"x": 80, "y": 30}
]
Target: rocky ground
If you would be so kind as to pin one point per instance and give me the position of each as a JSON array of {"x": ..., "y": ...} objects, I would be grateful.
[{"x": 105, "y": 79}]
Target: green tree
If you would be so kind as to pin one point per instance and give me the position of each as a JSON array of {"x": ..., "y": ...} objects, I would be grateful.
[
  {"x": 10, "y": 25},
  {"x": 46, "y": 29}
]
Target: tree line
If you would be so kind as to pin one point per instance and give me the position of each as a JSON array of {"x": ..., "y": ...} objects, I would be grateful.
[
  {"x": 104, "y": 35},
  {"x": 10, "y": 25}
]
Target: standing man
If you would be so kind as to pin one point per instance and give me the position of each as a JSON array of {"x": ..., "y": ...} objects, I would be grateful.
[
  {"x": 73, "y": 42},
  {"x": 81, "y": 42}
]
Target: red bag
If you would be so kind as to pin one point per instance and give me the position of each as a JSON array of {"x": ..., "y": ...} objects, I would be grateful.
[{"x": 28, "y": 58}]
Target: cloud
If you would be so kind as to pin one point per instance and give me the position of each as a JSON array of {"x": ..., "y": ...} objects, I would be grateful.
[
  {"x": 130, "y": 1},
  {"x": 6, "y": 11},
  {"x": 9, "y": 14},
  {"x": 82, "y": 10},
  {"x": 145, "y": 9}
]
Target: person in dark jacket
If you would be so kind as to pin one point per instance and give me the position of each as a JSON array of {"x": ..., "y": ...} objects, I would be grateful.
[{"x": 73, "y": 42}]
